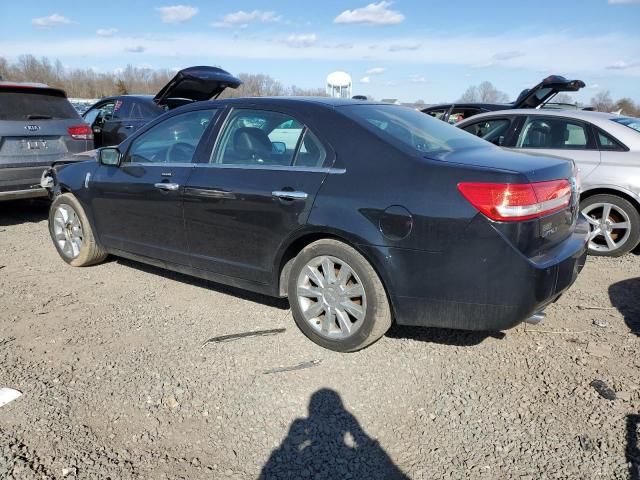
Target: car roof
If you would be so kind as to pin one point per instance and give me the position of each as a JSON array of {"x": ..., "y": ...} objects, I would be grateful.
[
  {"x": 603, "y": 120},
  {"x": 293, "y": 100}
]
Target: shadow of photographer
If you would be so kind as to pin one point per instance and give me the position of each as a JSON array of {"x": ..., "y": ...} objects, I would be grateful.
[{"x": 329, "y": 444}]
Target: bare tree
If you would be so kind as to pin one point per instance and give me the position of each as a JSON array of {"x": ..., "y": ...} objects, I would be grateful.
[
  {"x": 485, "y": 92},
  {"x": 564, "y": 98},
  {"x": 602, "y": 101},
  {"x": 627, "y": 107}
]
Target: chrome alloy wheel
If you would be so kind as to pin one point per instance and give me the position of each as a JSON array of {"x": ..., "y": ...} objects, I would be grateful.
[
  {"x": 67, "y": 231},
  {"x": 610, "y": 226},
  {"x": 331, "y": 297}
]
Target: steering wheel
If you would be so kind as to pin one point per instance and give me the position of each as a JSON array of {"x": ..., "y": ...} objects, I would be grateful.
[{"x": 182, "y": 151}]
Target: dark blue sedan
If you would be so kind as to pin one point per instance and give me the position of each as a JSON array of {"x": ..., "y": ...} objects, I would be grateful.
[{"x": 361, "y": 214}]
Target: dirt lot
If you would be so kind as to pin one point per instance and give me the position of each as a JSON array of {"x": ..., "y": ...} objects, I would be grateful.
[{"x": 120, "y": 381}]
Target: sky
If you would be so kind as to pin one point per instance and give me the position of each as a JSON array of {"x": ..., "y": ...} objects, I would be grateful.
[{"x": 430, "y": 50}]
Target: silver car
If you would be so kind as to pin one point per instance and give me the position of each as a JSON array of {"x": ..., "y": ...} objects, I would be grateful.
[
  {"x": 606, "y": 150},
  {"x": 38, "y": 126}
]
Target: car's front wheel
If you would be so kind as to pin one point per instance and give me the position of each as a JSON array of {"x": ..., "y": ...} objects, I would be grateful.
[
  {"x": 337, "y": 298},
  {"x": 72, "y": 234},
  {"x": 614, "y": 224}
]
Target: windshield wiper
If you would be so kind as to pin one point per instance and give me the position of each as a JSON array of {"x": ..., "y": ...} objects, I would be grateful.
[{"x": 39, "y": 116}]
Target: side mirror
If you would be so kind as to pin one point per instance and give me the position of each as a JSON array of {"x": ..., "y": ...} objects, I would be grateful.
[
  {"x": 109, "y": 156},
  {"x": 279, "y": 147}
]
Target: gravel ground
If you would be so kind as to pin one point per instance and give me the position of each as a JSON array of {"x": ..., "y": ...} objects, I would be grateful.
[{"x": 123, "y": 377}]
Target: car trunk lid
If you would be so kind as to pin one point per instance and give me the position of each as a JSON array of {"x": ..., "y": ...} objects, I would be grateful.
[
  {"x": 197, "y": 84},
  {"x": 546, "y": 90}
]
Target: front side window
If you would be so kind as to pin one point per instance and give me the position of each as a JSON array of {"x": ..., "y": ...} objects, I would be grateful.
[
  {"x": 261, "y": 137},
  {"x": 489, "y": 130},
  {"x": 552, "y": 133},
  {"x": 99, "y": 114},
  {"x": 172, "y": 141}
]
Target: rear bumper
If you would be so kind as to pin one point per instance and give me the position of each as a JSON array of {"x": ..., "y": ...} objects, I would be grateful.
[{"x": 484, "y": 284}]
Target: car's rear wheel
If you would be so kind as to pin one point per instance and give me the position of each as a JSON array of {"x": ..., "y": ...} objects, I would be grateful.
[
  {"x": 614, "y": 224},
  {"x": 72, "y": 234},
  {"x": 337, "y": 298}
]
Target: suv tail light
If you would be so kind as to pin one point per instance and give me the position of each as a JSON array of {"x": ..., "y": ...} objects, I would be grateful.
[
  {"x": 512, "y": 202},
  {"x": 80, "y": 132}
]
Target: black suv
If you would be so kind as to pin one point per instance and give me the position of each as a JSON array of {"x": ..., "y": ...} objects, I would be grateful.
[
  {"x": 113, "y": 119},
  {"x": 535, "y": 97},
  {"x": 38, "y": 126}
]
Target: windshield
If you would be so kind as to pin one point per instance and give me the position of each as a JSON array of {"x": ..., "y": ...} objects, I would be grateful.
[
  {"x": 420, "y": 132},
  {"x": 31, "y": 104},
  {"x": 630, "y": 122}
]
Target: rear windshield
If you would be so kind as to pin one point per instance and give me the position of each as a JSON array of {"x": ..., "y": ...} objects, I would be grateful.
[
  {"x": 422, "y": 133},
  {"x": 629, "y": 122},
  {"x": 34, "y": 105}
]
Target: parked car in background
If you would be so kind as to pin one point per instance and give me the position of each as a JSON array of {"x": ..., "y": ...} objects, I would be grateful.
[
  {"x": 275, "y": 195},
  {"x": 38, "y": 126},
  {"x": 536, "y": 97},
  {"x": 606, "y": 149},
  {"x": 113, "y": 119}
]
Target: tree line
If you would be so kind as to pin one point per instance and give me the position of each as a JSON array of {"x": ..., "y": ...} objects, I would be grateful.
[{"x": 87, "y": 83}]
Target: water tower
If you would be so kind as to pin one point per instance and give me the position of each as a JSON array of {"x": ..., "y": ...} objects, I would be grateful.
[{"x": 339, "y": 85}]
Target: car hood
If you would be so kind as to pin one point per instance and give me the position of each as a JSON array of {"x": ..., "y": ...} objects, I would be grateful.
[
  {"x": 546, "y": 90},
  {"x": 197, "y": 84}
]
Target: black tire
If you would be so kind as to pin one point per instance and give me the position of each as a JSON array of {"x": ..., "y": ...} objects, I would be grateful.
[
  {"x": 634, "y": 218},
  {"x": 90, "y": 251},
  {"x": 377, "y": 312}
]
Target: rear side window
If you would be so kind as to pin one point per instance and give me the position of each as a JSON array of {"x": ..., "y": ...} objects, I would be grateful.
[
  {"x": 607, "y": 142},
  {"x": 439, "y": 114},
  {"x": 411, "y": 128},
  {"x": 32, "y": 104},
  {"x": 553, "y": 133},
  {"x": 261, "y": 137},
  {"x": 460, "y": 114}
]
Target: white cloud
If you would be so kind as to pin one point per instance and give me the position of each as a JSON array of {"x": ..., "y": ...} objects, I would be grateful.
[
  {"x": 375, "y": 71},
  {"x": 302, "y": 41},
  {"x": 365, "y": 80},
  {"x": 580, "y": 56},
  {"x": 622, "y": 65},
  {"x": 417, "y": 79},
  {"x": 106, "y": 32},
  {"x": 623, "y": 2},
  {"x": 372, "y": 14},
  {"x": 243, "y": 19},
  {"x": 50, "y": 21},
  {"x": 593, "y": 86},
  {"x": 177, "y": 13},
  {"x": 403, "y": 47},
  {"x": 136, "y": 49}
]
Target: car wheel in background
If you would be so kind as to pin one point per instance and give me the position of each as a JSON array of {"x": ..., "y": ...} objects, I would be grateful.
[
  {"x": 337, "y": 298},
  {"x": 72, "y": 234},
  {"x": 614, "y": 224}
]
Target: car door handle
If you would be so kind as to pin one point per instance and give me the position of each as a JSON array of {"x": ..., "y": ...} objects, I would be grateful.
[
  {"x": 128, "y": 127},
  {"x": 169, "y": 187},
  {"x": 289, "y": 195}
]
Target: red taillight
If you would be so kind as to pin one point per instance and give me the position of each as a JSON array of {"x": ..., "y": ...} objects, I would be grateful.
[
  {"x": 511, "y": 202},
  {"x": 80, "y": 132}
]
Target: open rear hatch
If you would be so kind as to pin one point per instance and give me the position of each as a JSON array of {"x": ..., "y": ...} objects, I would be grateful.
[
  {"x": 546, "y": 90},
  {"x": 197, "y": 84}
]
